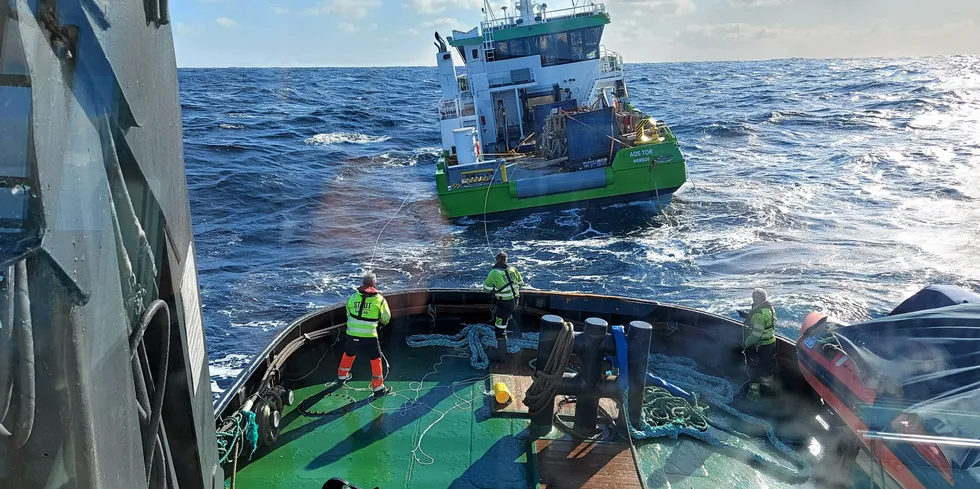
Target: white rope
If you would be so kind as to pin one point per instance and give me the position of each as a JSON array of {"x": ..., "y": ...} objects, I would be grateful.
[
  {"x": 486, "y": 200},
  {"x": 378, "y": 240}
]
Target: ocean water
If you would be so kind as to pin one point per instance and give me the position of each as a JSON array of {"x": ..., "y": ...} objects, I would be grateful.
[{"x": 838, "y": 185}]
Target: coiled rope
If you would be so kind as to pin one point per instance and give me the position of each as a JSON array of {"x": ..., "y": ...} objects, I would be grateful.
[{"x": 541, "y": 395}]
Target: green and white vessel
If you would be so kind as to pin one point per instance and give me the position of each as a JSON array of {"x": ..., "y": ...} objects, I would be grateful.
[{"x": 541, "y": 117}]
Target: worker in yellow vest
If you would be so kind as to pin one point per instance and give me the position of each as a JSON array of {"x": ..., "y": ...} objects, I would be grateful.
[
  {"x": 367, "y": 309},
  {"x": 760, "y": 344},
  {"x": 504, "y": 282}
]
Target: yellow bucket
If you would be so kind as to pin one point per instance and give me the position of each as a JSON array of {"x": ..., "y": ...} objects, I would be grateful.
[{"x": 500, "y": 393}]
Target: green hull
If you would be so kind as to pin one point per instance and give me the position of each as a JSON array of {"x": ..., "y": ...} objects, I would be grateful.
[{"x": 640, "y": 172}]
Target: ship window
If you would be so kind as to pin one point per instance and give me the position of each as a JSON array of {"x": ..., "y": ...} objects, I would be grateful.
[
  {"x": 502, "y": 51},
  {"x": 476, "y": 53},
  {"x": 545, "y": 46},
  {"x": 577, "y": 43},
  {"x": 518, "y": 48},
  {"x": 590, "y": 41},
  {"x": 562, "y": 53}
]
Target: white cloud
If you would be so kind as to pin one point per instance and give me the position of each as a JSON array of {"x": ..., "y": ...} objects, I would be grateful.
[
  {"x": 352, "y": 28},
  {"x": 279, "y": 9},
  {"x": 410, "y": 32},
  {"x": 667, "y": 7},
  {"x": 182, "y": 28},
  {"x": 445, "y": 22},
  {"x": 440, "y": 6},
  {"x": 752, "y": 41},
  {"x": 351, "y": 9},
  {"x": 727, "y": 33},
  {"x": 755, "y": 3},
  {"x": 226, "y": 22}
]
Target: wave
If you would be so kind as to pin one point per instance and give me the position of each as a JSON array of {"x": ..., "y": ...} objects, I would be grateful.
[{"x": 325, "y": 139}]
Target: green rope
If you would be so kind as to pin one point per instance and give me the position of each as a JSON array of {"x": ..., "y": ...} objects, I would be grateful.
[
  {"x": 661, "y": 408},
  {"x": 244, "y": 426}
]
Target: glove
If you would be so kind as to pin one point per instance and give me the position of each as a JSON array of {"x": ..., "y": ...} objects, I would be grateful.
[{"x": 742, "y": 314}]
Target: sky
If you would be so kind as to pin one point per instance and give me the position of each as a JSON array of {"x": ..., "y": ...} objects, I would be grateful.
[{"x": 290, "y": 33}]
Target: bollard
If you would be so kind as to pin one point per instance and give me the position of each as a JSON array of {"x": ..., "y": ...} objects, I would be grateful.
[
  {"x": 590, "y": 348},
  {"x": 550, "y": 326},
  {"x": 638, "y": 339}
]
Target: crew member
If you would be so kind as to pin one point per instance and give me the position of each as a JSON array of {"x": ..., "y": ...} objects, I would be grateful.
[
  {"x": 366, "y": 310},
  {"x": 504, "y": 282},
  {"x": 760, "y": 344}
]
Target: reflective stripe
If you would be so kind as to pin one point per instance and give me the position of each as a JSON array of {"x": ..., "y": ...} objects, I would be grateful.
[
  {"x": 343, "y": 369},
  {"x": 362, "y": 329},
  {"x": 379, "y": 388},
  {"x": 500, "y": 326},
  {"x": 377, "y": 377}
]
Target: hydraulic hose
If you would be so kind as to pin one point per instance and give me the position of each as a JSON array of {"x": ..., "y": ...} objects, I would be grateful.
[
  {"x": 159, "y": 314},
  {"x": 6, "y": 350},
  {"x": 25, "y": 348}
]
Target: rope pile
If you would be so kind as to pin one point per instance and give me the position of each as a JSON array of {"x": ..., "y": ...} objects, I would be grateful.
[
  {"x": 242, "y": 423},
  {"x": 660, "y": 408},
  {"x": 476, "y": 338},
  {"x": 720, "y": 393}
]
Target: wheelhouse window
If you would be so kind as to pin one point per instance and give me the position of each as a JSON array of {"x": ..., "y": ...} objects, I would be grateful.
[
  {"x": 555, "y": 49},
  {"x": 476, "y": 53}
]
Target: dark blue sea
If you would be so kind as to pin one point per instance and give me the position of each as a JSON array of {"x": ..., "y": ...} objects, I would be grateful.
[{"x": 838, "y": 185}]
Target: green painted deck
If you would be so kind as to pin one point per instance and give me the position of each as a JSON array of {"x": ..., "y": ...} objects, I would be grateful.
[
  {"x": 435, "y": 434},
  {"x": 440, "y": 433}
]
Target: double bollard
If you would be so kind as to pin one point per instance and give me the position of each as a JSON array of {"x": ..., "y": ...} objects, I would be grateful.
[{"x": 587, "y": 385}]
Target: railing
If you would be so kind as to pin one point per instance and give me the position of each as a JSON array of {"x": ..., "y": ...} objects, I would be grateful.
[
  {"x": 610, "y": 61},
  {"x": 454, "y": 108},
  {"x": 449, "y": 109},
  {"x": 545, "y": 16},
  {"x": 464, "y": 83}
]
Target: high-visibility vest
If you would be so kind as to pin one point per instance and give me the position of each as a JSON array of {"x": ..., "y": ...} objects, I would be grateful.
[
  {"x": 364, "y": 312},
  {"x": 505, "y": 283}
]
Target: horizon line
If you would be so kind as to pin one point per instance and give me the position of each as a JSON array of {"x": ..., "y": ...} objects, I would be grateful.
[{"x": 743, "y": 60}]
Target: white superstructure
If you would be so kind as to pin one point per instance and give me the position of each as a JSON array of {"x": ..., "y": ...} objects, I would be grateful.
[{"x": 528, "y": 56}]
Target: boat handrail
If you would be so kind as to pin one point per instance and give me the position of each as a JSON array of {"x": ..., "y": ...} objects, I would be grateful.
[
  {"x": 546, "y": 16},
  {"x": 610, "y": 61},
  {"x": 449, "y": 108}
]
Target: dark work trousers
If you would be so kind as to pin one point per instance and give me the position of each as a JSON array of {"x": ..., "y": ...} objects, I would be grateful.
[
  {"x": 356, "y": 346},
  {"x": 760, "y": 361},
  {"x": 503, "y": 314}
]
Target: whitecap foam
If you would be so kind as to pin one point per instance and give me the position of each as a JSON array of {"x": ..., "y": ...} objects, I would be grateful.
[
  {"x": 263, "y": 325},
  {"x": 227, "y": 367},
  {"x": 324, "y": 139},
  {"x": 231, "y": 126}
]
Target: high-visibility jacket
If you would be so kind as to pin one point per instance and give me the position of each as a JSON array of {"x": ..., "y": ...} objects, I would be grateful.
[
  {"x": 504, "y": 281},
  {"x": 365, "y": 309},
  {"x": 761, "y": 322}
]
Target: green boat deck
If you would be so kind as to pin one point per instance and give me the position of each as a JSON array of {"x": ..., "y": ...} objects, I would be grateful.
[{"x": 436, "y": 429}]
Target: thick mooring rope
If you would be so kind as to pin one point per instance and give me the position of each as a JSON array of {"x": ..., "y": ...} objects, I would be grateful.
[{"x": 540, "y": 396}]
